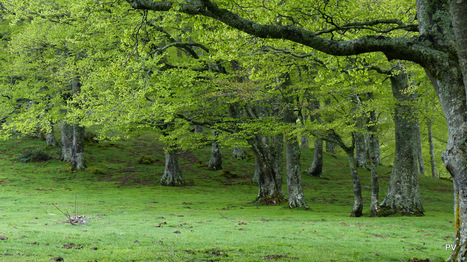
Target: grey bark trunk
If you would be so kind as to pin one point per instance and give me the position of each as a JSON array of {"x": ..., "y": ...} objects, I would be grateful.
[
  {"x": 361, "y": 147},
  {"x": 403, "y": 195},
  {"x": 377, "y": 149},
  {"x": 434, "y": 173},
  {"x": 172, "y": 174},
  {"x": 294, "y": 168},
  {"x": 215, "y": 162},
  {"x": 316, "y": 168},
  {"x": 373, "y": 146},
  {"x": 239, "y": 152},
  {"x": 330, "y": 147},
  {"x": 67, "y": 141},
  {"x": 50, "y": 137},
  {"x": 78, "y": 160},
  {"x": 418, "y": 147},
  {"x": 357, "y": 208},
  {"x": 294, "y": 174},
  {"x": 269, "y": 156},
  {"x": 198, "y": 129},
  {"x": 305, "y": 142}
]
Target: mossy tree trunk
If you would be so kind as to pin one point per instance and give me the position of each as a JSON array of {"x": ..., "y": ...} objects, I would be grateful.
[
  {"x": 403, "y": 195},
  {"x": 215, "y": 162},
  {"x": 172, "y": 173},
  {"x": 269, "y": 156}
]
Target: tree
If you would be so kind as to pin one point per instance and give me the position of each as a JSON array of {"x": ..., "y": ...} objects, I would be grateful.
[{"x": 440, "y": 47}]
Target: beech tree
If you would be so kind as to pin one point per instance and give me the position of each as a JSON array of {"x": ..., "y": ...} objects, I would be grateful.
[{"x": 438, "y": 43}]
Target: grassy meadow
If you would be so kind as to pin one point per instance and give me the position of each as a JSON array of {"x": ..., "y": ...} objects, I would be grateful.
[{"x": 130, "y": 217}]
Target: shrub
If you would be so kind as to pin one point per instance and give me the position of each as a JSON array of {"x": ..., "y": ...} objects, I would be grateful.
[{"x": 36, "y": 155}]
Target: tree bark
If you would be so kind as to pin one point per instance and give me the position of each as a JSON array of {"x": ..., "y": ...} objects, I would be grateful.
[
  {"x": 374, "y": 207},
  {"x": 434, "y": 173},
  {"x": 418, "y": 147},
  {"x": 215, "y": 162},
  {"x": 330, "y": 147},
  {"x": 403, "y": 195},
  {"x": 294, "y": 174},
  {"x": 294, "y": 168},
  {"x": 361, "y": 147},
  {"x": 316, "y": 168},
  {"x": 50, "y": 137},
  {"x": 239, "y": 152},
  {"x": 67, "y": 141},
  {"x": 357, "y": 209},
  {"x": 172, "y": 174},
  {"x": 269, "y": 155},
  {"x": 78, "y": 160},
  {"x": 305, "y": 141}
]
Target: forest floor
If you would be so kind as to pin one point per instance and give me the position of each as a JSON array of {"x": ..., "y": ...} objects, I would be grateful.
[{"x": 130, "y": 217}]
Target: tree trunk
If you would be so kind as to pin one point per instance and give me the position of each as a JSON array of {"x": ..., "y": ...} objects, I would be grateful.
[
  {"x": 377, "y": 149},
  {"x": 50, "y": 137},
  {"x": 361, "y": 147},
  {"x": 268, "y": 152},
  {"x": 239, "y": 152},
  {"x": 374, "y": 207},
  {"x": 418, "y": 147},
  {"x": 294, "y": 168},
  {"x": 198, "y": 129},
  {"x": 215, "y": 162},
  {"x": 216, "y": 157},
  {"x": 294, "y": 174},
  {"x": 305, "y": 141},
  {"x": 77, "y": 160},
  {"x": 330, "y": 147},
  {"x": 67, "y": 141},
  {"x": 403, "y": 195},
  {"x": 434, "y": 173},
  {"x": 316, "y": 168},
  {"x": 357, "y": 187},
  {"x": 172, "y": 174}
]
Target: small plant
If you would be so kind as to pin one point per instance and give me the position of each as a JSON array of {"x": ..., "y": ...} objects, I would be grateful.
[
  {"x": 96, "y": 171},
  {"x": 145, "y": 160},
  {"x": 36, "y": 155}
]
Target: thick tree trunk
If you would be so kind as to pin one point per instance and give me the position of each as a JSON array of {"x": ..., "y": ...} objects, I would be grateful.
[
  {"x": 403, "y": 195},
  {"x": 255, "y": 178},
  {"x": 316, "y": 168},
  {"x": 172, "y": 174},
  {"x": 434, "y": 173},
  {"x": 269, "y": 156},
  {"x": 67, "y": 141},
  {"x": 77, "y": 160},
  {"x": 239, "y": 152},
  {"x": 216, "y": 157}
]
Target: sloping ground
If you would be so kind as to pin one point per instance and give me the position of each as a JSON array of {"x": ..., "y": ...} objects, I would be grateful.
[{"x": 129, "y": 216}]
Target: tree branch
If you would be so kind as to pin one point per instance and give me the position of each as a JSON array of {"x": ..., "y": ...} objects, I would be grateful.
[{"x": 416, "y": 49}]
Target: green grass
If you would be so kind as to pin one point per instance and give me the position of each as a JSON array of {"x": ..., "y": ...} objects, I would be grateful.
[{"x": 211, "y": 219}]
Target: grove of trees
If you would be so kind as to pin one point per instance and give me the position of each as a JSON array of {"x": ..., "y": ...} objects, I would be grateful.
[{"x": 263, "y": 75}]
